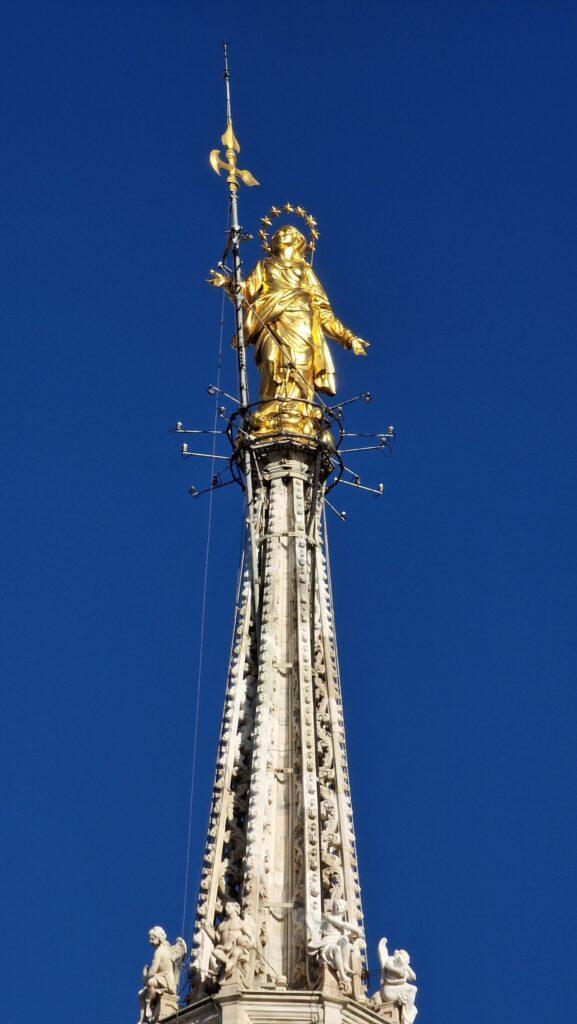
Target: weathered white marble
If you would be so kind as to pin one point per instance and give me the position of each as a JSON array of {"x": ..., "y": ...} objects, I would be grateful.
[
  {"x": 158, "y": 997},
  {"x": 397, "y": 976},
  {"x": 281, "y": 841},
  {"x": 279, "y": 928},
  {"x": 335, "y": 943}
]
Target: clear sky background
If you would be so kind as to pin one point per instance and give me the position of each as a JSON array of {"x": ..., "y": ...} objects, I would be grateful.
[{"x": 435, "y": 143}]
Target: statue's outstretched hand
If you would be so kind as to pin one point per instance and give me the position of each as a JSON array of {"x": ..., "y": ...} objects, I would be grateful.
[
  {"x": 217, "y": 280},
  {"x": 359, "y": 347}
]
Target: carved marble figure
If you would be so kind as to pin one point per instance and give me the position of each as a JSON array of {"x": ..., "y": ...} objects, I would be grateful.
[
  {"x": 333, "y": 946},
  {"x": 396, "y": 978},
  {"x": 161, "y": 978},
  {"x": 233, "y": 940}
]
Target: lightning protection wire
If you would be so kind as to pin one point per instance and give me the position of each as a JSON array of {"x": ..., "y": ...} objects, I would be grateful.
[{"x": 202, "y": 621}]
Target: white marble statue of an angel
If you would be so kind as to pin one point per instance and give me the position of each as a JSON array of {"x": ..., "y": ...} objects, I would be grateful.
[
  {"x": 332, "y": 944},
  {"x": 162, "y": 975},
  {"x": 396, "y": 978}
]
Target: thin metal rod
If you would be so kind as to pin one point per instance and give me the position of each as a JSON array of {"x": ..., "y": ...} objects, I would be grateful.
[
  {"x": 196, "y": 494},
  {"x": 349, "y": 433},
  {"x": 227, "y": 84},
  {"x": 360, "y": 487},
  {"x": 369, "y": 448},
  {"x": 188, "y": 430},
  {"x": 212, "y": 389},
  {"x": 347, "y": 469},
  {"x": 365, "y": 396},
  {"x": 240, "y": 347},
  {"x": 203, "y": 455},
  {"x": 342, "y": 515}
]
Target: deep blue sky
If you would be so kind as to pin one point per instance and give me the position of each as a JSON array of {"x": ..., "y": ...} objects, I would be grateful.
[{"x": 435, "y": 142}]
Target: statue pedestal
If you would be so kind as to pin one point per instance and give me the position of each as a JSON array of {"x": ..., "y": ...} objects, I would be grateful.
[
  {"x": 327, "y": 984},
  {"x": 166, "y": 1005},
  {"x": 392, "y": 1013},
  {"x": 263, "y": 1006}
]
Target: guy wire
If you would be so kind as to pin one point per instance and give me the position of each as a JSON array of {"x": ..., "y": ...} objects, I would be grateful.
[
  {"x": 202, "y": 617},
  {"x": 239, "y": 585}
]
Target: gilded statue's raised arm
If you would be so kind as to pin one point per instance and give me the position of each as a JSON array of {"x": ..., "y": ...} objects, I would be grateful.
[{"x": 329, "y": 322}]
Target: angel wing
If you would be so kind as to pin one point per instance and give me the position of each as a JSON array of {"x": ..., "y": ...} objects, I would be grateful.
[
  {"x": 314, "y": 933},
  {"x": 177, "y": 955},
  {"x": 383, "y": 953},
  {"x": 249, "y": 924},
  {"x": 200, "y": 959}
]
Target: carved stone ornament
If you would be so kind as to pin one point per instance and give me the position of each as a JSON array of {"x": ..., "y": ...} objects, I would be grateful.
[
  {"x": 332, "y": 946},
  {"x": 224, "y": 953},
  {"x": 158, "y": 998},
  {"x": 396, "y": 999},
  {"x": 202, "y": 970},
  {"x": 280, "y": 846}
]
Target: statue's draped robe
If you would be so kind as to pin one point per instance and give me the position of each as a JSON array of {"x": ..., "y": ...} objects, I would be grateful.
[{"x": 287, "y": 296}]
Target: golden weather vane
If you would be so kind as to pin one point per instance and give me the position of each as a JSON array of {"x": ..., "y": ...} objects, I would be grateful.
[{"x": 230, "y": 142}]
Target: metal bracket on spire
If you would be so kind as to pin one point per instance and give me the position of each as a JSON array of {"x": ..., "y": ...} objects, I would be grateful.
[{"x": 240, "y": 440}]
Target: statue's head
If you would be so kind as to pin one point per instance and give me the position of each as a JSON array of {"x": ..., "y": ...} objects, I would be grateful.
[
  {"x": 403, "y": 956},
  {"x": 339, "y": 906},
  {"x": 156, "y": 935},
  {"x": 288, "y": 238},
  {"x": 231, "y": 908}
]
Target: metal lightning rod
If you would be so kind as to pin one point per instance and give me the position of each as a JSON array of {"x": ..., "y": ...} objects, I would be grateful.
[
  {"x": 231, "y": 151},
  {"x": 232, "y": 148}
]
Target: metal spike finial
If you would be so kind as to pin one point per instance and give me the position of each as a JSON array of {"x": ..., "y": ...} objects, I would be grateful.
[
  {"x": 235, "y": 235},
  {"x": 230, "y": 143}
]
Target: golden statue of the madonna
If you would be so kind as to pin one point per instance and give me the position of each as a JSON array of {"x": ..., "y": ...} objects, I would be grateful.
[{"x": 286, "y": 317}]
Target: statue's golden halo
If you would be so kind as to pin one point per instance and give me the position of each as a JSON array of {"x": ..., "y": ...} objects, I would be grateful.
[{"x": 274, "y": 212}]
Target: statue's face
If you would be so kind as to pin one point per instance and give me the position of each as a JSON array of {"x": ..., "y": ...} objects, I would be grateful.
[
  {"x": 156, "y": 935},
  {"x": 232, "y": 908},
  {"x": 288, "y": 237}
]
